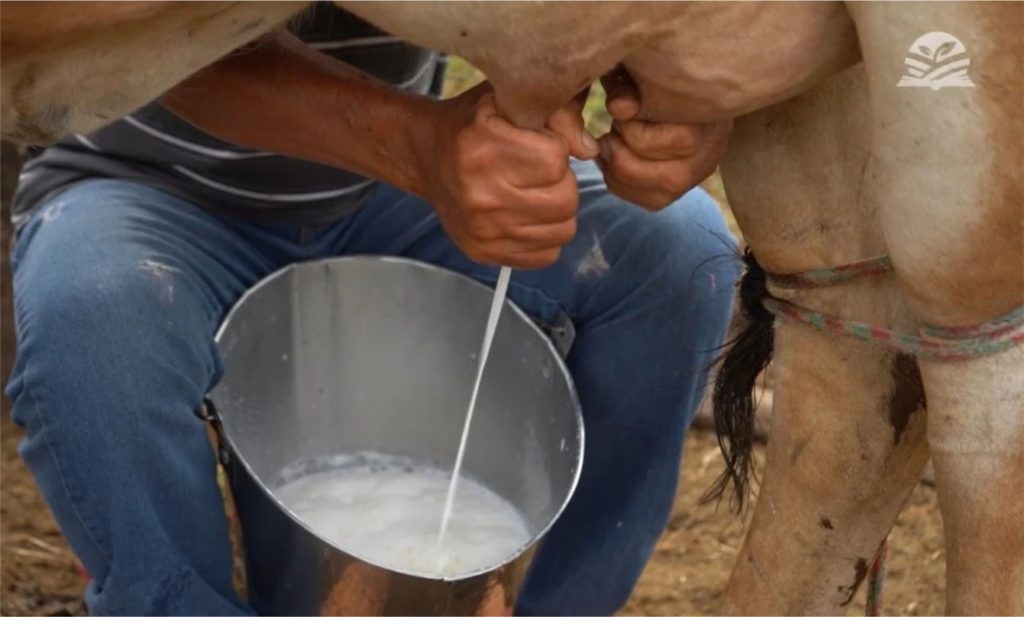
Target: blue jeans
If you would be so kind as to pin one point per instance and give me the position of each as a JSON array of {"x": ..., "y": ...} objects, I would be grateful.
[{"x": 119, "y": 289}]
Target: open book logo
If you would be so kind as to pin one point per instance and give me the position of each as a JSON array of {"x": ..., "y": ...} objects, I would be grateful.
[{"x": 937, "y": 60}]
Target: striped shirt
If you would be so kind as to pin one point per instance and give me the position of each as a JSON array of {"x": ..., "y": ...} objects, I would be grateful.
[{"x": 156, "y": 147}]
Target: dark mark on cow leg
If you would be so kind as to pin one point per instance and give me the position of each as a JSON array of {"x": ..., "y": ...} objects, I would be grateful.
[
  {"x": 907, "y": 393},
  {"x": 863, "y": 445},
  {"x": 860, "y": 570},
  {"x": 825, "y": 523},
  {"x": 463, "y": 33},
  {"x": 798, "y": 450}
]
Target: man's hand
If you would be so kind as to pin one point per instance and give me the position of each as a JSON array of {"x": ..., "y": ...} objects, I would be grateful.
[
  {"x": 505, "y": 195},
  {"x": 653, "y": 164}
]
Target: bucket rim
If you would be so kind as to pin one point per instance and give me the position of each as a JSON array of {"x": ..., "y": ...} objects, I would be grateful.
[{"x": 238, "y": 458}]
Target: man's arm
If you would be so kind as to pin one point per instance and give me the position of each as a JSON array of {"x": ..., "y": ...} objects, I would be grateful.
[
  {"x": 279, "y": 95},
  {"x": 505, "y": 195}
]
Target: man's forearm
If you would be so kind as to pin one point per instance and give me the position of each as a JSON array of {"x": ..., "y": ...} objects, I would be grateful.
[{"x": 281, "y": 96}]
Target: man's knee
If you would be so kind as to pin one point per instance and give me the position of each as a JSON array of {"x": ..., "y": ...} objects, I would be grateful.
[
  {"x": 111, "y": 361},
  {"x": 107, "y": 334},
  {"x": 104, "y": 305},
  {"x": 684, "y": 252},
  {"x": 699, "y": 251}
]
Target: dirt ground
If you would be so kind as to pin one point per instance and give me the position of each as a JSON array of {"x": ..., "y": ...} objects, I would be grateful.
[
  {"x": 685, "y": 576},
  {"x": 37, "y": 571},
  {"x": 692, "y": 561}
]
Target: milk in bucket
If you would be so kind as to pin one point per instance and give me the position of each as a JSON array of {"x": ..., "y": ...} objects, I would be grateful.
[{"x": 387, "y": 509}]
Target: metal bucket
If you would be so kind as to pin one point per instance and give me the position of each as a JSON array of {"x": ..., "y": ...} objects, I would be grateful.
[{"x": 378, "y": 353}]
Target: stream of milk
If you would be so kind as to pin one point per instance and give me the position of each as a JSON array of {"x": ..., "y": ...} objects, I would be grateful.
[
  {"x": 386, "y": 510},
  {"x": 497, "y": 303}
]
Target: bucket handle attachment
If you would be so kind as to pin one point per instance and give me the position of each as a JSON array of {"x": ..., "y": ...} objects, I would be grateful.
[{"x": 207, "y": 412}]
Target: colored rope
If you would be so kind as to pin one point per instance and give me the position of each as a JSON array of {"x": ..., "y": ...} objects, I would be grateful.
[
  {"x": 994, "y": 327},
  {"x": 934, "y": 343},
  {"x": 825, "y": 277},
  {"x": 876, "y": 580},
  {"x": 927, "y": 347}
]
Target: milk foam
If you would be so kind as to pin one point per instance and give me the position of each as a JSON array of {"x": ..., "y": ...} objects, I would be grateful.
[{"x": 387, "y": 510}]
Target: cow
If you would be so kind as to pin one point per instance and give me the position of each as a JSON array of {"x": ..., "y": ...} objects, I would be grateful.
[
  {"x": 74, "y": 67},
  {"x": 884, "y": 220}
]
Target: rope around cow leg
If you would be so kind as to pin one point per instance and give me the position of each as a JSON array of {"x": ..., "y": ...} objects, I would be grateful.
[
  {"x": 876, "y": 580},
  {"x": 932, "y": 343}
]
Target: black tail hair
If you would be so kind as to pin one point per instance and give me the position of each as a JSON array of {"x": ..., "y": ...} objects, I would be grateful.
[{"x": 733, "y": 395}]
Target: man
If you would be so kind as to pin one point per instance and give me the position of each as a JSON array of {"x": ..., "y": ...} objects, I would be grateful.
[{"x": 135, "y": 240}]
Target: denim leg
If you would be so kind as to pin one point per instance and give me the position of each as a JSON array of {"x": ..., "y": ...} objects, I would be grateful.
[
  {"x": 118, "y": 291},
  {"x": 649, "y": 296}
]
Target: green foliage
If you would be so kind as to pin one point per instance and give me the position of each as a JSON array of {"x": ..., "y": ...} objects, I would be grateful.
[
  {"x": 459, "y": 77},
  {"x": 595, "y": 115}
]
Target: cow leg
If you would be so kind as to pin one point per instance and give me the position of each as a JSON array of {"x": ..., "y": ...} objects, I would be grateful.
[
  {"x": 976, "y": 434},
  {"x": 846, "y": 449},
  {"x": 949, "y": 173}
]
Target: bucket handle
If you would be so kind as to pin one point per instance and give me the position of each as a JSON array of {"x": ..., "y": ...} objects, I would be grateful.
[{"x": 207, "y": 412}]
